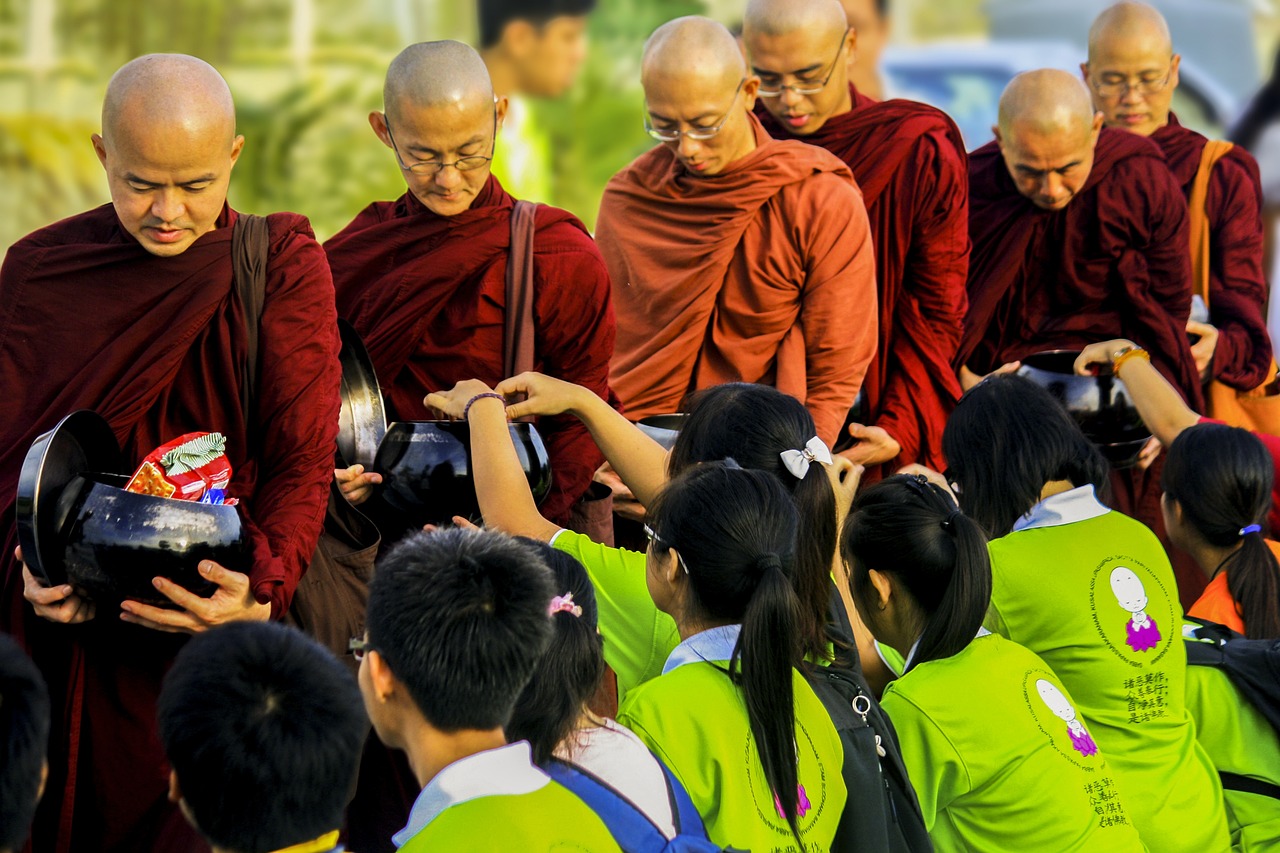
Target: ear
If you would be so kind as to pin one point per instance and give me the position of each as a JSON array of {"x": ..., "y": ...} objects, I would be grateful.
[
  {"x": 1173, "y": 73},
  {"x": 501, "y": 107},
  {"x": 237, "y": 145},
  {"x": 749, "y": 90},
  {"x": 673, "y": 569},
  {"x": 99, "y": 148},
  {"x": 1097, "y": 128},
  {"x": 519, "y": 37},
  {"x": 995, "y": 130},
  {"x": 1084, "y": 72},
  {"x": 44, "y": 779},
  {"x": 381, "y": 677},
  {"x": 175, "y": 791},
  {"x": 883, "y": 588},
  {"x": 378, "y": 121}
]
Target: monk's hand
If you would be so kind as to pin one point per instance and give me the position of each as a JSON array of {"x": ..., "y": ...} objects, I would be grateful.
[
  {"x": 542, "y": 395},
  {"x": 1150, "y": 451},
  {"x": 624, "y": 500},
  {"x": 453, "y": 403},
  {"x": 873, "y": 445},
  {"x": 1202, "y": 350},
  {"x": 931, "y": 475},
  {"x": 233, "y": 601},
  {"x": 968, "y": 378},
  {"x": 458, "y": 521},
  {"x": 355, "y": 483},
  {"x": 1099, "y": 355},
  {"x": 62, "y": 604}
]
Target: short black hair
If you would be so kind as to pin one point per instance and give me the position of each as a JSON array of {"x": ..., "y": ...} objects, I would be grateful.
[
  {"x": 494, "y": 15},
  {"x": 24, "y": 729},
  {"x": 264, "y": 729},
  {"x": 460, "y": 617}
]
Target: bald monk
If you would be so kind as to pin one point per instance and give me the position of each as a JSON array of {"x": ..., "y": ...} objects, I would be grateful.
[
  {"x": 1132, "y": 72},
  {"x": 734, "y": 257},
  {"x": 910, "y": 163},
  {"x": 869, "y": 20},
  {"x": 130, "y": 310},
  {"x": 423, "y": 278}
]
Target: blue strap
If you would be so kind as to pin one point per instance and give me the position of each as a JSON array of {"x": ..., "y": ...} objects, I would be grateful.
[
  {"x": 629, "y": 826},
  {"x": 688, "y": 820}
]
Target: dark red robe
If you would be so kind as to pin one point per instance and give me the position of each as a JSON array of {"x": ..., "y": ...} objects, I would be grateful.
[
  {"x": 909, "y": 160},
  {"x": 1237, "y": 285},
  {"x": 90, "y": 320},
  {"x": 427, "y": 293}
]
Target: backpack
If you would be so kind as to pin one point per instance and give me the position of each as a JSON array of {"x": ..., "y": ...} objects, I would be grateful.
[
  {"x": 882, "y": 813},
  {"x": 630, "y": 827}
]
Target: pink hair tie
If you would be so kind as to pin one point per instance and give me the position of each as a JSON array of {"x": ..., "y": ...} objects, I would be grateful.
[{"x": 564, "y": 604}]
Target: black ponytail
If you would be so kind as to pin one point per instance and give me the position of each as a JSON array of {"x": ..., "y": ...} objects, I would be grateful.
[
  {"x": 735, "y": 529},
  {"x": 1222, "y": 477},
  {"x": 911, "y": 529}
]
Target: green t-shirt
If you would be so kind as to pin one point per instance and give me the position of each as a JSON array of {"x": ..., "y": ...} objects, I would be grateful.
[
  {"x": 1000, "y": 760},
  {"x": 638, "y": 636},
  {"x": 694, "y": 718},
  {"x": 1097, "y": 600}
]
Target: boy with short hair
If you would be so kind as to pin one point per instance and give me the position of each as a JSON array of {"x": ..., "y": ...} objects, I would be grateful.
[
  {"x": 24, "y": 743},
  {"x": 263, "y": 728},
  {"x": 457, "y": 621}
]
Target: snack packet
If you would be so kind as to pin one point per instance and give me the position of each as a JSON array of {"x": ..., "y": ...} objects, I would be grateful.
[{"x": 193, "y": 467}]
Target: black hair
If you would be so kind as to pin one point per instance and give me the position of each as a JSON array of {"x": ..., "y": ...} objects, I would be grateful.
[
  {"x": 909, "y": 528},
  {"x": 1222, "y": 477},
  {"x": 24, "y": 726},
  {"x": 263, "y": 728},
  {"x": 495, "y": 15},
  {"x": 753, "y": 424},
  {"x": 460, "y": 617},
  {"x": 571, "y": 669},
  {"x": 735, "y": 532},
  {"x": 1263, "y": 111},
  {"x": 1008, "y": 437}
]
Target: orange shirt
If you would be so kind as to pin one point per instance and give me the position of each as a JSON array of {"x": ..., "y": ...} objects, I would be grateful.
[{"x": 1216, "y": 604}]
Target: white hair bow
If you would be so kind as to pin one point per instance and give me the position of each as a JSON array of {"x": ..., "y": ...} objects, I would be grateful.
[{"x": 797, "y": 461}]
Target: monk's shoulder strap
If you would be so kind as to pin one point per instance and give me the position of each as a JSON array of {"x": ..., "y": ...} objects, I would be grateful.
[
  {"x": 1197, "y": 208},
  {"x": 250, "y": 254},
  {"x": 518, "y": 331}
]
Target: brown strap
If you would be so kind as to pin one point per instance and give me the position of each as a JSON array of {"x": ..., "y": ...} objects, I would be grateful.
[
  {"x": 517, "y": 342},
  {"x": 250, "y": 251},
  {"x": 1197, "y": 207}
]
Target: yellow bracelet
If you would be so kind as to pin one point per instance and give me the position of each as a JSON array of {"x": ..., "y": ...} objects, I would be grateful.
[{"x": 1132, "y": 352}]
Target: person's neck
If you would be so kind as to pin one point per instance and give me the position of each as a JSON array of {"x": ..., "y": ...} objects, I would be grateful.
[
  {"x": 691, "y": 627},
  {"x": 501, "y": 73},
  {"x": 1056, "y": 487},
  {"x": 431, "y": 750},
  {"x": 1210, "y": 557}
]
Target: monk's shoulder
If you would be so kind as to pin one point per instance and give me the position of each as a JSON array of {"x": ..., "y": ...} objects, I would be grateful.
[
  {"x": 985, "y": 165},
  {"x": 98, "y": 225},
  {"x": 1239, "y": 168},
  {"x": 559, "y": 232}
]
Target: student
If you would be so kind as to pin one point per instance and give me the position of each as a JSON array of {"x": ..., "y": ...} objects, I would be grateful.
[
  {"x": 1217, "y": 490},
  {"x": 24, "y": 743},
  {"x": 552, "y": 713},
  {"x": 1091, "y": 591},
  {"x": 922, "y": 581},
  {"x": 263, "y": 729},
  {"x": 457, "y": 621}
]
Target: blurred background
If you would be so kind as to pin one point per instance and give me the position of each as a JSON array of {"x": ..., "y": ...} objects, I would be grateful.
[{"x": 305, "y": 74}]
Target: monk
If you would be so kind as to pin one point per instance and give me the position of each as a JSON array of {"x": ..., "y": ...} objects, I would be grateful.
[
  {"x": 910, "y": 164},
  {"x": 423, "y": 278},
  {"x": 130, "y": 310},
  {"x": 734, "y": 257},
  {"x": 1132, "y": 72},
  {"x": 869, "y": 20}
]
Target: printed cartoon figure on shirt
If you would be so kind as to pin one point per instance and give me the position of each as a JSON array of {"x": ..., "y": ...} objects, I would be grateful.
[
  {"x": 1054, "y": 699},
  {"x": 1141, "y": 632},
  {"x": 802, "y": 803}
]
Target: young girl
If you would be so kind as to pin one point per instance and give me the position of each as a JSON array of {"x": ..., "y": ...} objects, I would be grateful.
[
  {"x": 1010, "y": 766},
  {"x": 1217, "y": 491}
]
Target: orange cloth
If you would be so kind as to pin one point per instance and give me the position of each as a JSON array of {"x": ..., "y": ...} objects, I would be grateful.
[
  {"x": 1216, "y": 604},
  {"x": 762, "y": 273}
]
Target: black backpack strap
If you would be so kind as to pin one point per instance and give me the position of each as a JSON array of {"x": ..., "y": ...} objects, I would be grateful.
[{"x": 1249, "y": 785}]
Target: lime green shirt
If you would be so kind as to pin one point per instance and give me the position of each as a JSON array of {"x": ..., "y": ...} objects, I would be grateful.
[
  {"x": 638, "y": 636},
  {"x": 1000, "y": 760},
  {"x": 1091, "y": 592}
]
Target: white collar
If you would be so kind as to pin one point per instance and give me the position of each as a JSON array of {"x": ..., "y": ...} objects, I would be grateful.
[
  {"x": 713, "y": 644},
  {"x": 1078, "y": 504},
  {"x": 906, "y": 664},
  {"x": 507, "y": 770}
]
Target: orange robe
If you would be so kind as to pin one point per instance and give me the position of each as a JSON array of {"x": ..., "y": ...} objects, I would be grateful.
[{"x": 762, "y": 273}]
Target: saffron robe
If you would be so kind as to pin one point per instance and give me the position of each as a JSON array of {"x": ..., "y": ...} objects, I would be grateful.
[
  {"x": 762, "y": 273},
  {"x": 90, "y": 320},
  {"x": 909, "y": 161}
]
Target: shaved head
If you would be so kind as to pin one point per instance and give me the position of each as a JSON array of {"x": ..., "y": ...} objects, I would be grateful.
[
  {"x": 1047, "y": 132},
  {"x": 1045, "y": 102},
  {"x": 436, "y": 74},
  {"x": 170, "y": 89},
  {"x": 1132, "y": 70},
  {"x": 692, "y": 49},
  {"x": 1129, "y": 22},
  {"x": 783, "y": 17}
]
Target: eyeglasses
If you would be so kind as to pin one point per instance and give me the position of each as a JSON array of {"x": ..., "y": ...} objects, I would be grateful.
[
  {"x": 702, "y": 134},
  {"x": 806, "y": 87},
  {"x": 428, "y": 168},
  {"x": 359, "y": 647},
  {"x": 655, "y": 538},
  {"x": 1143, "y": 85}
]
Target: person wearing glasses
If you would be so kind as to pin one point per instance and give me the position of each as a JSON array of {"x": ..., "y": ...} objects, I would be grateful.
[
  {"x": 909, "y": 161},
  {"x": 733, "y": 257},
  {"x": 423, "y": 279}
]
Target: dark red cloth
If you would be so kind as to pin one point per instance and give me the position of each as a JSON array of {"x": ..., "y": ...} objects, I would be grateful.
[
  {"x": 427, "y": 293},
  {"x": 909, "y": 160},
  {"x": 1237, "y": 284},
  {"x": 90, "y": 320},
  {"x": 1113, "y": 264}
]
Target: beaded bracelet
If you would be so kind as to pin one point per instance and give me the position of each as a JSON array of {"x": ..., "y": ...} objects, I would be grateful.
[
  {"x": 1131, "y": 352},
  {"x": 466, "y": 410}
]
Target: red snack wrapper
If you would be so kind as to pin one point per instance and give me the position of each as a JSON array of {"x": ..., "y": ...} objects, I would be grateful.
[{"x": 188, "y": 468}]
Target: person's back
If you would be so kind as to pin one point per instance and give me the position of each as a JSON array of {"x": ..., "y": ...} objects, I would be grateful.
[{"x": 24, "y": 743}]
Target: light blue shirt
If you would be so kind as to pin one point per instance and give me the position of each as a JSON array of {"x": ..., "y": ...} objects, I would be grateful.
[
  {"x": 713, "y": 644},
  {"x": 1078, "y": 504}
]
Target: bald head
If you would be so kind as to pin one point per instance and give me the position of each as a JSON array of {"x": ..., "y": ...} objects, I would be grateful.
[
  {"x": 168, "y": 89},
  {"x": 1047, "y": 134},
  {"x": 437, "y": 74},
  {"x": 692, "y": 49},
  {"x": 1048, "y": 102},
  {"x": 1129, "y": 23},
  {"x": 1132, "y": 70},
  {"x": 823, "y": 18}
]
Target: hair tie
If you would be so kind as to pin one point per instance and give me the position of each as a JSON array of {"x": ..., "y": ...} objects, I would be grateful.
[
  {"x": 1252, "y": 528},
  {"x": 768, "y": 561},
  {"x": 948, "y": 523},
  {"x": 798, "y": 461},
  {"x": 564, "y": 604}
]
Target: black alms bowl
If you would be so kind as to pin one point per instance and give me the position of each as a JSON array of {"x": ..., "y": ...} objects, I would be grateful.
[
  {"x": 426, "y": 468},
  {"x": 663, "y": 428},
  {"x": 1099, "y": 404}
]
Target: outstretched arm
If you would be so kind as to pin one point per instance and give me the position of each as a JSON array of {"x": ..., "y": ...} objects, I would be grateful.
[{"x": 1159, "y": 403}]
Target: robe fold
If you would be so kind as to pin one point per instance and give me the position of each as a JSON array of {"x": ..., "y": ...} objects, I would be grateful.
[
  {"x": 90, "y": 320},
  {"x": 1237, "y": 285},
  {"x": 427, "y": 294},
  {"x": 762, "y": 273},
  {"x": 909, "y": 161},
  {"x": 1113, "y": 264}
]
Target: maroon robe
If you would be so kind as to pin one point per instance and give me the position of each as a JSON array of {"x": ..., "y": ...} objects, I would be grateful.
[
  {"x": 427, "y": 293},
  {"x": 90, "y": 320},
  {"x": 909, "y": 160},
  {"x": 1237, "y": 285}
]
